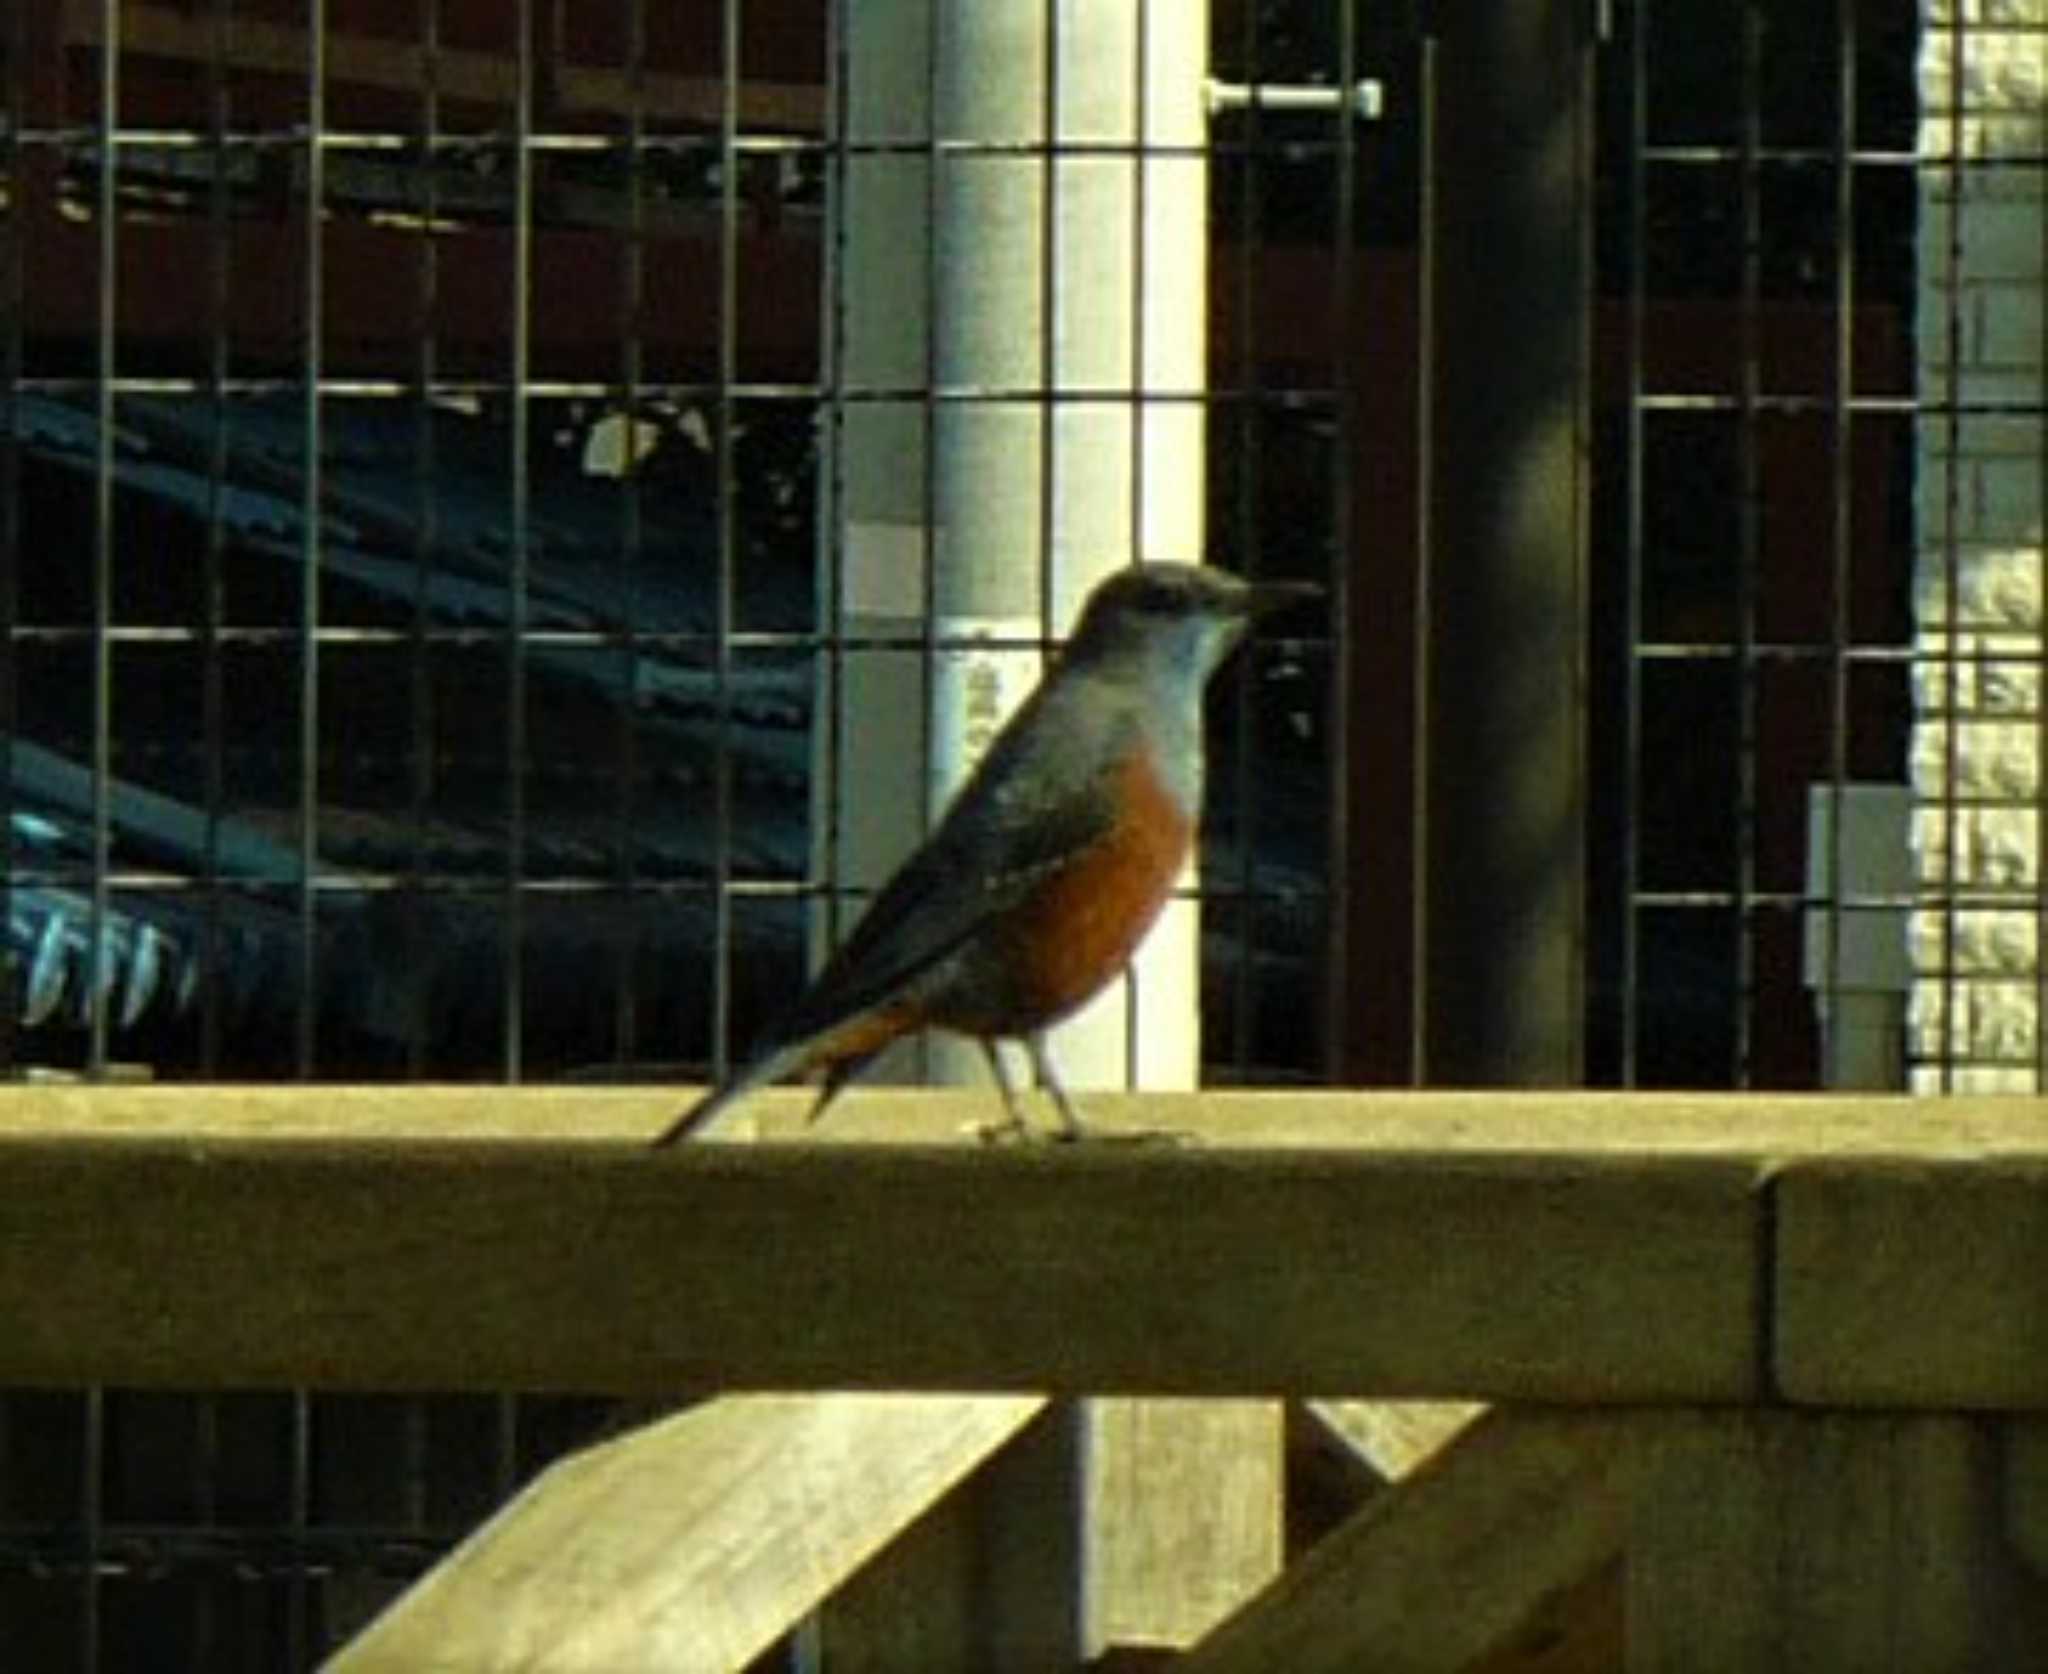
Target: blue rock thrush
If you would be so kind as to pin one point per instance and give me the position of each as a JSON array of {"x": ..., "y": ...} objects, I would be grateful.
[{"x": 1047, "y": 869}]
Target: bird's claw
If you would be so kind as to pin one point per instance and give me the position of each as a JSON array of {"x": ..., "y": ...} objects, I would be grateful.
[
  {"x": 1014, "y": 1130},
  {"x": 1131, "y": 1136}
]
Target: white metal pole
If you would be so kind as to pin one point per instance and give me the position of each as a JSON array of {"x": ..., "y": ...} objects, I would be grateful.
[
  {"x": 989, "y": 462},
  {"x": 1013, "y": 282},
  {"x": 870, "y": 739},
  {"x": 1058, "y": 303},
  {"x": 1130, "y": 335}
]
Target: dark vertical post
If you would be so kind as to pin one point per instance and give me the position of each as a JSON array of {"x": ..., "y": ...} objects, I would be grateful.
[{"x": 1509, "y": 207}]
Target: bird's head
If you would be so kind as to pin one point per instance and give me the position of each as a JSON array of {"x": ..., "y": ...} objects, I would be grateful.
[{"x": 1179, "y": 619}]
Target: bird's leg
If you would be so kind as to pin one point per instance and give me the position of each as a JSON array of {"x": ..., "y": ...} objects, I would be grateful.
[
  {"x": 1071, "y": 1125},
  {"x": 1013, "y": 1125},
  {"x": 1072, "y": 1128}
]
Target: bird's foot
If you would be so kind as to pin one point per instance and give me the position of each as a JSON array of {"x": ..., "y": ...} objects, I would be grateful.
[
  {"x": 1123, "y": 1136},
  {"x": 1013, "y": 1130}
]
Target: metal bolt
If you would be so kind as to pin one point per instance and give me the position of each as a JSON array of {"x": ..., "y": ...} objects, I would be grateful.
[{"x": 1365, "y": 100}]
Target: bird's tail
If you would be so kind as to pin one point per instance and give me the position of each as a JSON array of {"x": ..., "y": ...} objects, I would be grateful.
[{"x": 769, "y": 1067}]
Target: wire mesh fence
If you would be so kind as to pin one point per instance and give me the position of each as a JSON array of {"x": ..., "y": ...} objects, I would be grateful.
[
  {"x": 433, "y": 498},
  {"x": 1753, "y": 620}
]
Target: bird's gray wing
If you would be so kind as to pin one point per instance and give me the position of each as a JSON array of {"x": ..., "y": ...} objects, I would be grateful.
[{"x": 1024, "y": 813}]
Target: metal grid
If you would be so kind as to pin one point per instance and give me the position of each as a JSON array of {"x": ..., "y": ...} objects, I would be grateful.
[
  {"x": 1754, "y": 545},
  {"x": 430, "y": 693}
]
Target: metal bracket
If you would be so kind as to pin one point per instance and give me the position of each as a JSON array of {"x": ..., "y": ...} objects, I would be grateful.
[{"x": 1366, "y": 100}]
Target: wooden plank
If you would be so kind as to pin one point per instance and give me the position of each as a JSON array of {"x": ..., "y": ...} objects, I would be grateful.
[
  {"x": 2026, "y": 1490},
  {"x": 1703, "y": 1537},
  {"x": 1576, "y": 1630},
  {"x": 1784, "y": 1541},
  {"x": 405, "y": 66},
  {"x": 1913, "y": 1283},
  {"x": 690, "y": 1545},
  {"x": 2026, "y": 1522},
  {"x": 1390, "y": 1438},
  {"x": 1183, "y": 1517},
  {"x": 1446, "y": 1566},
  {"x": 1758, "y": 1127},
  {"x": 155, "y": 1257},
  {"x": 989, "y": 1579}
]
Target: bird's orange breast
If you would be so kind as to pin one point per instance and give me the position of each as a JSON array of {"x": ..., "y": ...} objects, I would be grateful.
[{"x": 1079, "y": 928}]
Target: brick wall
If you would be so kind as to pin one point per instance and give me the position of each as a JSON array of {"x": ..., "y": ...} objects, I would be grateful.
[{"x": 1981, "y": 739}]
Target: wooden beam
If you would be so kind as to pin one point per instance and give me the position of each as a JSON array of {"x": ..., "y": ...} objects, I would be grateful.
[
  {"x": 1390, "y": 1438},
  {"x": 1778, "y": 1130},
  {"x": 691, "y": 1545},
  {"x": 372, "y": 272},
  {"x": 1576, "y": 1630},
  {"x": 1914, "y": 1282},
  {"x": 2026, "y": 1491},
  {"x": 989, "y": 1579},
  {"x": 1447, "y": 1565},
  {"x": 482, "y": 77},
  {"x": 1776, "y": 1540},
  {"x": 1184, "y": 1502},
  {"x": 140, "y": 1245}
]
